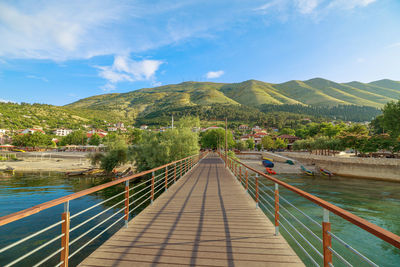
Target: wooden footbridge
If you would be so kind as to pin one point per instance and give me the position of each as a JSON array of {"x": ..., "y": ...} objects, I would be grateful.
[
  {"x": 201, "y": 211},
  {"x": 206, "y": 219}
]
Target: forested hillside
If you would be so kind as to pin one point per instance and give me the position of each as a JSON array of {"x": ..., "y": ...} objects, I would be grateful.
[
  {"x": 315, "y": 92},
  {"x": 249, "y": 102},
  {"x": 19, "y": 116}
]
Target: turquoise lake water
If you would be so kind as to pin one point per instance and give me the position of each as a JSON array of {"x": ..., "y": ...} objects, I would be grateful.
[{"x": 375, "y": 201}]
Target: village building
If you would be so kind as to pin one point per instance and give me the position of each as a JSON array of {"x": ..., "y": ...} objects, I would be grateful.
[
  {"x": 243, "y": 127},
  {"x": 112, "y": 129},
  {"x": 257, "y": 137},
  {"x": 31, "y": 131},
  {"x": 98, "y": 131},
  {"x": 211, "y": 128},
  {"x": 62, "y": 132},
  {"x": 290, "y": 138},
  {"x": 144, "y": 127}
]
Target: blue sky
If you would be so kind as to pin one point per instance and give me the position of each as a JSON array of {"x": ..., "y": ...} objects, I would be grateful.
[{"x": 57, "y": 52}]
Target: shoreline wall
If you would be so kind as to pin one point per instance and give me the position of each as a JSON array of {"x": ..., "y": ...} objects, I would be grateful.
[{"x": 369, "y": 168}]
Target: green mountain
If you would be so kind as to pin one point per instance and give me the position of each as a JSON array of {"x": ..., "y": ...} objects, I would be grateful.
[
  {"x": 249, "y": 101},
  {"x": 316, "y": 92}
]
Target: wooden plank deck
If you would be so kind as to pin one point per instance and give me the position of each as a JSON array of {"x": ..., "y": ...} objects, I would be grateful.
[{"x": 205, "y": 219}]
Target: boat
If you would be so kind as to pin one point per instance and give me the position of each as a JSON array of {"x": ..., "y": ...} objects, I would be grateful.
[
  {"x": 306, "y": 171},
  {"x": 7, "y": 169},
  {"x": 265, "y": 158},
  {"x": 92, "y": 171},
  {"x": 325, "y": 172},
  {"x": 75, "y": 173},
  {"x": 290, "y": 162},
  {"x": 270, "y": 171},
  {"x": 268, "y": 163}
]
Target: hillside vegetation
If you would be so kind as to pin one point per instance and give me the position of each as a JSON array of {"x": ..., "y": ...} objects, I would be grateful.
[
  {"x": 249, "y": 101},
  {"x": 316, "y": 92},
  {"x": 15, "y": 116}
]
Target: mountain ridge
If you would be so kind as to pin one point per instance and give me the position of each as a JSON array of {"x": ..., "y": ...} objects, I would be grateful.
[{"x": 253, "y": 93}]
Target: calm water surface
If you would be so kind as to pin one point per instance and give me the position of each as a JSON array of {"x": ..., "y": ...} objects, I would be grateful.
[
  {"x": 26, "y": 190},
  {"x": 376, "y": 201}
]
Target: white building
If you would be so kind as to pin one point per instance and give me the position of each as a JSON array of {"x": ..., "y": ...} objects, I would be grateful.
[
  {"x": 62, "y": 132},
  {"x": 31, "y": 131},
  {"x": 112, "y": 129},
  {"x": 3, "y": 131},
  {"x": 144, "y": 127}
]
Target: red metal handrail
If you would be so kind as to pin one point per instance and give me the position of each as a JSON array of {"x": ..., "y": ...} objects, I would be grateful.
[
  {"x": 379, "y": 232},
  {"x": 35, "y": 209}
]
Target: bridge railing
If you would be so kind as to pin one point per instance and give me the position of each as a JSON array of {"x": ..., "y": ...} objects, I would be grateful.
[
  {"x": 311, "y": 237},
  {"x": 124, "y": 203}
]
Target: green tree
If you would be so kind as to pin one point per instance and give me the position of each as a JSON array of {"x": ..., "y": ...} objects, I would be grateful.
[
  {"x": 113, "y": 159},
  {"x": 214, "y": 137},
  {"x": 95, "y": 140},
  {"x": 36, "y": 139},
  {"x": 75, "y": 138},
  {"x": 135, "y": 137},
  {"x": 157, "y": 149},
  {"x": 287, "y": 131},
  {"x": 241, "y": 145},
  {"x": 250, "y": 143},
  {"x": 330, "y": 130},
  {"x": 280, "y": 143},
  {"x": 267, "y": 142},
  {"x": 115, "y": 141},
  {"x": 391, "y": 118}
]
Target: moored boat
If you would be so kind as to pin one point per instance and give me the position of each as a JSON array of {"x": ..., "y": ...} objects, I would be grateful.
[
  {"x": 270, "y": 171},
  {"x": 325, "y": 172},
  {"x": 268, "y": 163},
  {"x": 265, "y": 158},
  {"x": 7, "y": 169},
  {"x": 306, "y": 171}
]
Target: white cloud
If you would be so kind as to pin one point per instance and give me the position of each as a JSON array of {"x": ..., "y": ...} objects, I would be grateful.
[
  {"x": 37, "y": 78},
  {"x": 267, "y": 5},
  {"x": 57, "y": 30},
  {"x": 5, "y": 101},
  {"x": 214, "y": 74},
  {"x": 125, "y": 69},
  {"x": 306, "y": 6},
  {"x": 309, "y": 6},
  {"x": 350, "y": 4},
  {"x": 74, "y": 29}
]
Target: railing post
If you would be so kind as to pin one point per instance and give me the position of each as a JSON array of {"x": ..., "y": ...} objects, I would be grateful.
[
  {"x": 152, "y": 187},
  {"x": 276, "y": 209},
  {"x": 174, "y": 172},
  {"x": 326, "y": 239},
  {"x": 65, "y": 237},
  {"x": 240, "y": 174},
  {"x": 180, "y": 168},
  {"x": 166, "y": 178},
  {"x": 126, "y": 203},
  {"x": 247, "y": 182},
  {"x": 235, "y": 172},
  {"x": 256, "y": 190},
  {"x": 185, "y": 166}
]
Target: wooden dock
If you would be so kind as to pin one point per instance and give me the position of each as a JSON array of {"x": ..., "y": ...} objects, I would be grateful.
[{"x": 205, "y": 219}]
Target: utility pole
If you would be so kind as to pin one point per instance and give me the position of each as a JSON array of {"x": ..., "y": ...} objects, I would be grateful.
[
  {"x": 226, "y": 141},
  {"x": 172, "y": 122}
]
